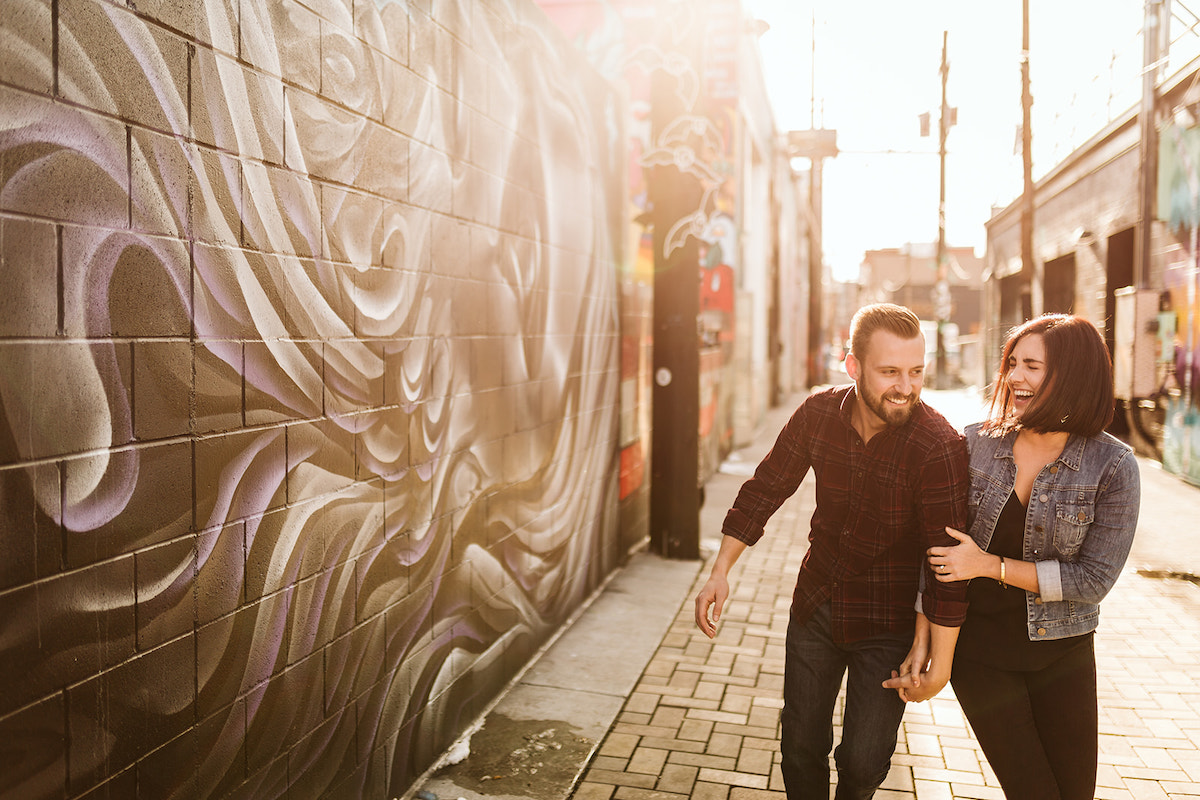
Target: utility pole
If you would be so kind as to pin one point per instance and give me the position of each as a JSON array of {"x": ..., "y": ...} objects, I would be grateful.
[
  {"x": 816, "y": 258},
  {"x": 1153, "y": 48},
  {"x": 941, "y": 295},
  {"x": 816, "y": 277},
  {"x": 1026, "y": 287},
  {"x": 815, "y": 144}
]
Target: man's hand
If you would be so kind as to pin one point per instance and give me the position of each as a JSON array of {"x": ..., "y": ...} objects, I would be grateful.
[
  {"x": 716, "y": 590},
  {"x": 712, "y": 596}
]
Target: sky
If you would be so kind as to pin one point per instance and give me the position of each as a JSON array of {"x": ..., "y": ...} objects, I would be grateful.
[{"x": 876, "y": 70}]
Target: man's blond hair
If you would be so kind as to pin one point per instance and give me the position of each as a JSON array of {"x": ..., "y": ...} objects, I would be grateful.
[{"x": 881, "y": 316}]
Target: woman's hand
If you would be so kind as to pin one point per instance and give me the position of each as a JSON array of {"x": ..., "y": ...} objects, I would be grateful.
[{"x": 961, "y": 562}]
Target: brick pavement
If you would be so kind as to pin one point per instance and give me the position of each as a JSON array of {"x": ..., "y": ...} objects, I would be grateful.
[{"x": 702, "y": 721}]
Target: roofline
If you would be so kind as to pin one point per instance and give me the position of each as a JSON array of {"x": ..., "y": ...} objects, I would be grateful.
[{"x": 1186, "y": 74}]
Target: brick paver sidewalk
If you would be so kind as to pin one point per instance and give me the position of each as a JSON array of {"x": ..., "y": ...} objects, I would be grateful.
[{"x": 703, "y": 720}]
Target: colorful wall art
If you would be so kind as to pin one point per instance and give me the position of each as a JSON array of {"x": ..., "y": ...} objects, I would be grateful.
[{"x": 310, "y": 366}]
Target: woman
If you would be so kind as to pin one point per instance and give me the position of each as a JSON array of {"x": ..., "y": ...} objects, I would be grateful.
[{"x": 1052, "y": 508}]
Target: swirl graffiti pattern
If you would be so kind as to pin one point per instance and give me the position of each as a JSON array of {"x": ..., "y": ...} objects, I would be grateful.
[{"x": 308, "y": 379}]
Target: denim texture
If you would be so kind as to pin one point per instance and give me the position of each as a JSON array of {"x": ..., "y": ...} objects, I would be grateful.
[
  {"x": 813, "y": 672},
  {"x": 1079, "y": 526}
]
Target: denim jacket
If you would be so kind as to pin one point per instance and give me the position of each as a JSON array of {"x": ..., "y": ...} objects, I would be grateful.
[{"x": 1079, "y": 527}]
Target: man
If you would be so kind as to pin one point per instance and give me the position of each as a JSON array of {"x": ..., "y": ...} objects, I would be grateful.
[{"x": 891, "y": 476}]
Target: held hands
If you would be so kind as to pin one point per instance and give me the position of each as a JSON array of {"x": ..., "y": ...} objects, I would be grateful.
[
  {"x": 914, "y": 681},
  {"x": 915, "y": 688},
  {"x": 713, "y": 597},
  {"x": 961, "y": 562}
]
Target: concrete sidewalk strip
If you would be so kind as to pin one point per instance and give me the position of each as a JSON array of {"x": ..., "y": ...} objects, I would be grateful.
[
  {"x": 702, "y": 720},
  {"x": 536, "y": 740}
]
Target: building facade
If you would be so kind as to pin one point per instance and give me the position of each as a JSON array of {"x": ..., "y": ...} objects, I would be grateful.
[{"x": 1085, "y": 241}]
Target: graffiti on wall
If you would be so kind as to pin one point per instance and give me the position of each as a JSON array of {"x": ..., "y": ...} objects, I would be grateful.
[
  {"x": 696, "y": 44},
  {"x": 308, "y": 385},
  {"x": 1178, "y": 346},
  {"x": 1179, "y": 324}
]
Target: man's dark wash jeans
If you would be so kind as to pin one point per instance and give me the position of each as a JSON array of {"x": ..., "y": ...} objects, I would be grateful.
[{"x": 812, "y": 679}]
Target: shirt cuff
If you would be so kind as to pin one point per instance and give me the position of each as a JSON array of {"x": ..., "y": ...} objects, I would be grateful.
[
  {"x": 1049, "y": 575},
  {"x": 941, "y": 611},
  {"x": 741, "y": 527}
]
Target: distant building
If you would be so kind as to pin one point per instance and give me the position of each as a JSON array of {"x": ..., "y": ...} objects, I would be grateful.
[
  {"x": 842, "y": 300},
  {"x": 908, "y": 275}
]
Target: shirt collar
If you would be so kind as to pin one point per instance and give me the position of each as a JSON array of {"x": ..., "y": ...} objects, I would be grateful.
[
  {"x": 1071, "y": 455},
  {"x": 846, "y": 407}
]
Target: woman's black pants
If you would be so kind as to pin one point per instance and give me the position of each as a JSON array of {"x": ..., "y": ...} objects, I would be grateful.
[{"x": 1038, "y": 729}]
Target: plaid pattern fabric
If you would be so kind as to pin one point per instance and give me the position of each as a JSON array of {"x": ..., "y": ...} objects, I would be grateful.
[{"x": 879, "y": 506}]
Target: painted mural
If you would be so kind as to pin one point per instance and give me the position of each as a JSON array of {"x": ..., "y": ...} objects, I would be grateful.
[
  {"x": 309, "y": 379},
  {"x": 1179, "y": 320},
  {"x": 696, "y": 42}
]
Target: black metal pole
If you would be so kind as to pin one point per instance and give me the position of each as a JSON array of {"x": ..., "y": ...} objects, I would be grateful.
[{"x": 675, "y": 437}]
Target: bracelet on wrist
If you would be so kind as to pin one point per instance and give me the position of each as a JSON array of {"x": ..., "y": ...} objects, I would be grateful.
[{"x": 1002, "y": 583}]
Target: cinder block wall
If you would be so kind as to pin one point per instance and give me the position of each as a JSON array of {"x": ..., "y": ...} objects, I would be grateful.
[{"x": 309, "y": 365}]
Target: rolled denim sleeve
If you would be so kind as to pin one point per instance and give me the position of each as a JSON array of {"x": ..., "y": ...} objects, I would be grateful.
[
  {"x": 1090, "y": 576},
  {"x": 945, "y": 478}
]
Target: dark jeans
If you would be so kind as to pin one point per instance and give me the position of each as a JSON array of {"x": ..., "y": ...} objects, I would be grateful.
[
  {"x": 1038, "y": 729},
  {"x": 812, "y": 678}
]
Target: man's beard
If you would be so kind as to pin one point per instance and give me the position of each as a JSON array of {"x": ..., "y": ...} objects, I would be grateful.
[{"x": 893, "y": 415}]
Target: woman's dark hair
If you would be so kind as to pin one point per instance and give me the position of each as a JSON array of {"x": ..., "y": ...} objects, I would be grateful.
[{"x": 1076, "y": 395}]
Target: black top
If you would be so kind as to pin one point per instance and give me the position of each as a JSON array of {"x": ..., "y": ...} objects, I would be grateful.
[{"x": 996, "y": 631}]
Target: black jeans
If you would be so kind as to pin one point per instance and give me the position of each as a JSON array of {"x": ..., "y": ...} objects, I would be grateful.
[
  {"x": 1038, "y": 729},
  {"x": 812, "y": 677}
]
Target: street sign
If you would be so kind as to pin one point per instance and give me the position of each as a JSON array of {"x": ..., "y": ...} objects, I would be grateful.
[{"x": 816, "y": 143}]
